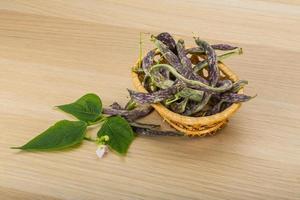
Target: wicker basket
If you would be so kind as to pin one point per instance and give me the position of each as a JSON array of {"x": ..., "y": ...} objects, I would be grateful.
[{"x": 194, "y": 126}]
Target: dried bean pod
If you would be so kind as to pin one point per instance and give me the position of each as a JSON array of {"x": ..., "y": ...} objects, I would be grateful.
[
  {"x": 194, "y": 95},
  {"x": 185, "y": 61},
  {"x": 195, "y": 50},
  {"x": 206, "y": 98},
  {"x": 165, "y": 74},
  {"x": 201, "y": 65},
  {"x": 187, "y": 64},
  {"x": 116, "y": 105},
  {"x": 148, "y": 61},
  {"x": 170, "y": 56},
  {"x": 199, "y": 106},
  {"x": 235, "y": 88},
  {"x": 213, "y": 70},
  {"x": 238, "y": 85},
  {"x": 168, "y": 40},
  {"x": 200, "y": 50},
  {"x": 130, "y": 115},
  {"x": 179, "y": 107},
  {"x": 235, "y": 98},
  {"x": 223, "y": 47},
  {"x": 151, "y": 132},
  {"x": 143, "y": 125},
  {"x": 157, "y": 78},
  {"x": 230, "y": 96},
  {"x": 225, "y": 105},
  {"x": 193, "y": 83},
  {"x": 216, "y": 109},
  {"x": 155, "y": 97}
]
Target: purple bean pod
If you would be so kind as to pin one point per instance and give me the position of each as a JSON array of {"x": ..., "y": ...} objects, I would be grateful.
[
  {"x": 213, "y": 70},
  {"x": 130, "y": 115},
  {"x": 195, "y": 108},
  {"x": 187, "y": 64},
  {"x": 195, "y": 50},
  {"x": 185, "y": 61},
  {"x": 168, "y": 40},
  {"x": 223, "y": 47},
  {"x": 216, "y": 108},
  {"x": 155, "y": 97},
  {"x": 169, "y": 56},
  {"x": 206, "y": 98},
  {"x": 179, "y": 107},
  {"x": 157, "y": 78},
  {"x": 200, "y": 50},
  {"x": 152, "y": 132},
  {"x": 235, "y": 98},
  {"x": 143, "y": 125},
  {"x": 238, "y": 85},
  {"x": 148, "y": 61},
  {"x": 116, "y": 105}
]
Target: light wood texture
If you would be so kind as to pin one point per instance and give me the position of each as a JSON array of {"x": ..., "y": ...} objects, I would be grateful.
[{"x": 52, "y": 52}]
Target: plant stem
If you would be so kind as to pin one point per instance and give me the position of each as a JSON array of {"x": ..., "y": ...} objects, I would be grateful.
[
  {"x": 131, "y": 105},
  {"x": 141, "y": 51},
  {"x": 169, "y": 101},
  {"x": 103, "y": 118},
  {"x": 204, "y": 63},
  {"x": 89, "y": 139}
]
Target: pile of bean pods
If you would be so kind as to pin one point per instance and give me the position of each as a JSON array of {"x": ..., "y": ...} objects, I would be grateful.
[{"x": 187, "y": 80}]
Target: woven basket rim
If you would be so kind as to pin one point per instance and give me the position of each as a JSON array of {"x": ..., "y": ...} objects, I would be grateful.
[{"x": 206, "y": 120}]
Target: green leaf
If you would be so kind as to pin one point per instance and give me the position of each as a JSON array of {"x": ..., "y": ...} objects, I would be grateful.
[
  {"x": 61, "y": 135},
  {"x": 119, "y": 132},
  {"x": 88, "y": 108}
]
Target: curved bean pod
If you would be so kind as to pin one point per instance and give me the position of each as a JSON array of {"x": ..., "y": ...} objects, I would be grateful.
[
  {"x": 179, "y": 107},
  {"x": 213, "y": 70},
  {"x": 175, "y": 62},
  {"x": 168, "y": 40},
  {"x": 130, "y": 115},
  {"x": 223, "y": 47},
  {"x": 235, "y": 98},
  {"x": 151, "y": 132},
  {"x": 155, "y": 97},
  {"x": 187, "y": 64},
  {"x": 238, "y": 85},
  {"x": 116, "y": 105},
  {"x": 204, "y": 63},
  {"x": 200, "y": 50},
  {"x": 190, "y": 82}
]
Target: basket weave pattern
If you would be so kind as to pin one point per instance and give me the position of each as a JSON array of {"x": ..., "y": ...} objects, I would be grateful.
[{"x": 194, "y": 126}]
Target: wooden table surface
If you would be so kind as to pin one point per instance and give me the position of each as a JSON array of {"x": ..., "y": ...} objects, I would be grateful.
[{"x": 52, "y": 52}]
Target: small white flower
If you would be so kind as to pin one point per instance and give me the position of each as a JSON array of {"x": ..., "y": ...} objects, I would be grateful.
[{"x": 102, "y": 149}]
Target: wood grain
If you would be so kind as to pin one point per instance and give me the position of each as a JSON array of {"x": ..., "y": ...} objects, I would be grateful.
[{"x": 52, "y": 52}]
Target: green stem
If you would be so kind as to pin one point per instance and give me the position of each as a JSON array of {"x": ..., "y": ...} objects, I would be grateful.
[
  {"x": 137, "y": 70},
  {"x": 191, "y": 82},
  {"x": 103, "y": 118},
  {"x": 89, "y": 139},
  {"x": 202, "y": 65},
  {"x": 169, "y": 101},
  {"x": 131, "y": 105},
  {"x": 141, "y": 51}
]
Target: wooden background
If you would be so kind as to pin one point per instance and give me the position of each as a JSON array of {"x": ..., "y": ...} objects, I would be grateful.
[{"x": 52, "y": 52}]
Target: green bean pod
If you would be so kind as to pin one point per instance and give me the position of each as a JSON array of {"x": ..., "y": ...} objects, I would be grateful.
[
  {"x": 201, "y": 85},
  {"x": 204, "y": 63}
]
